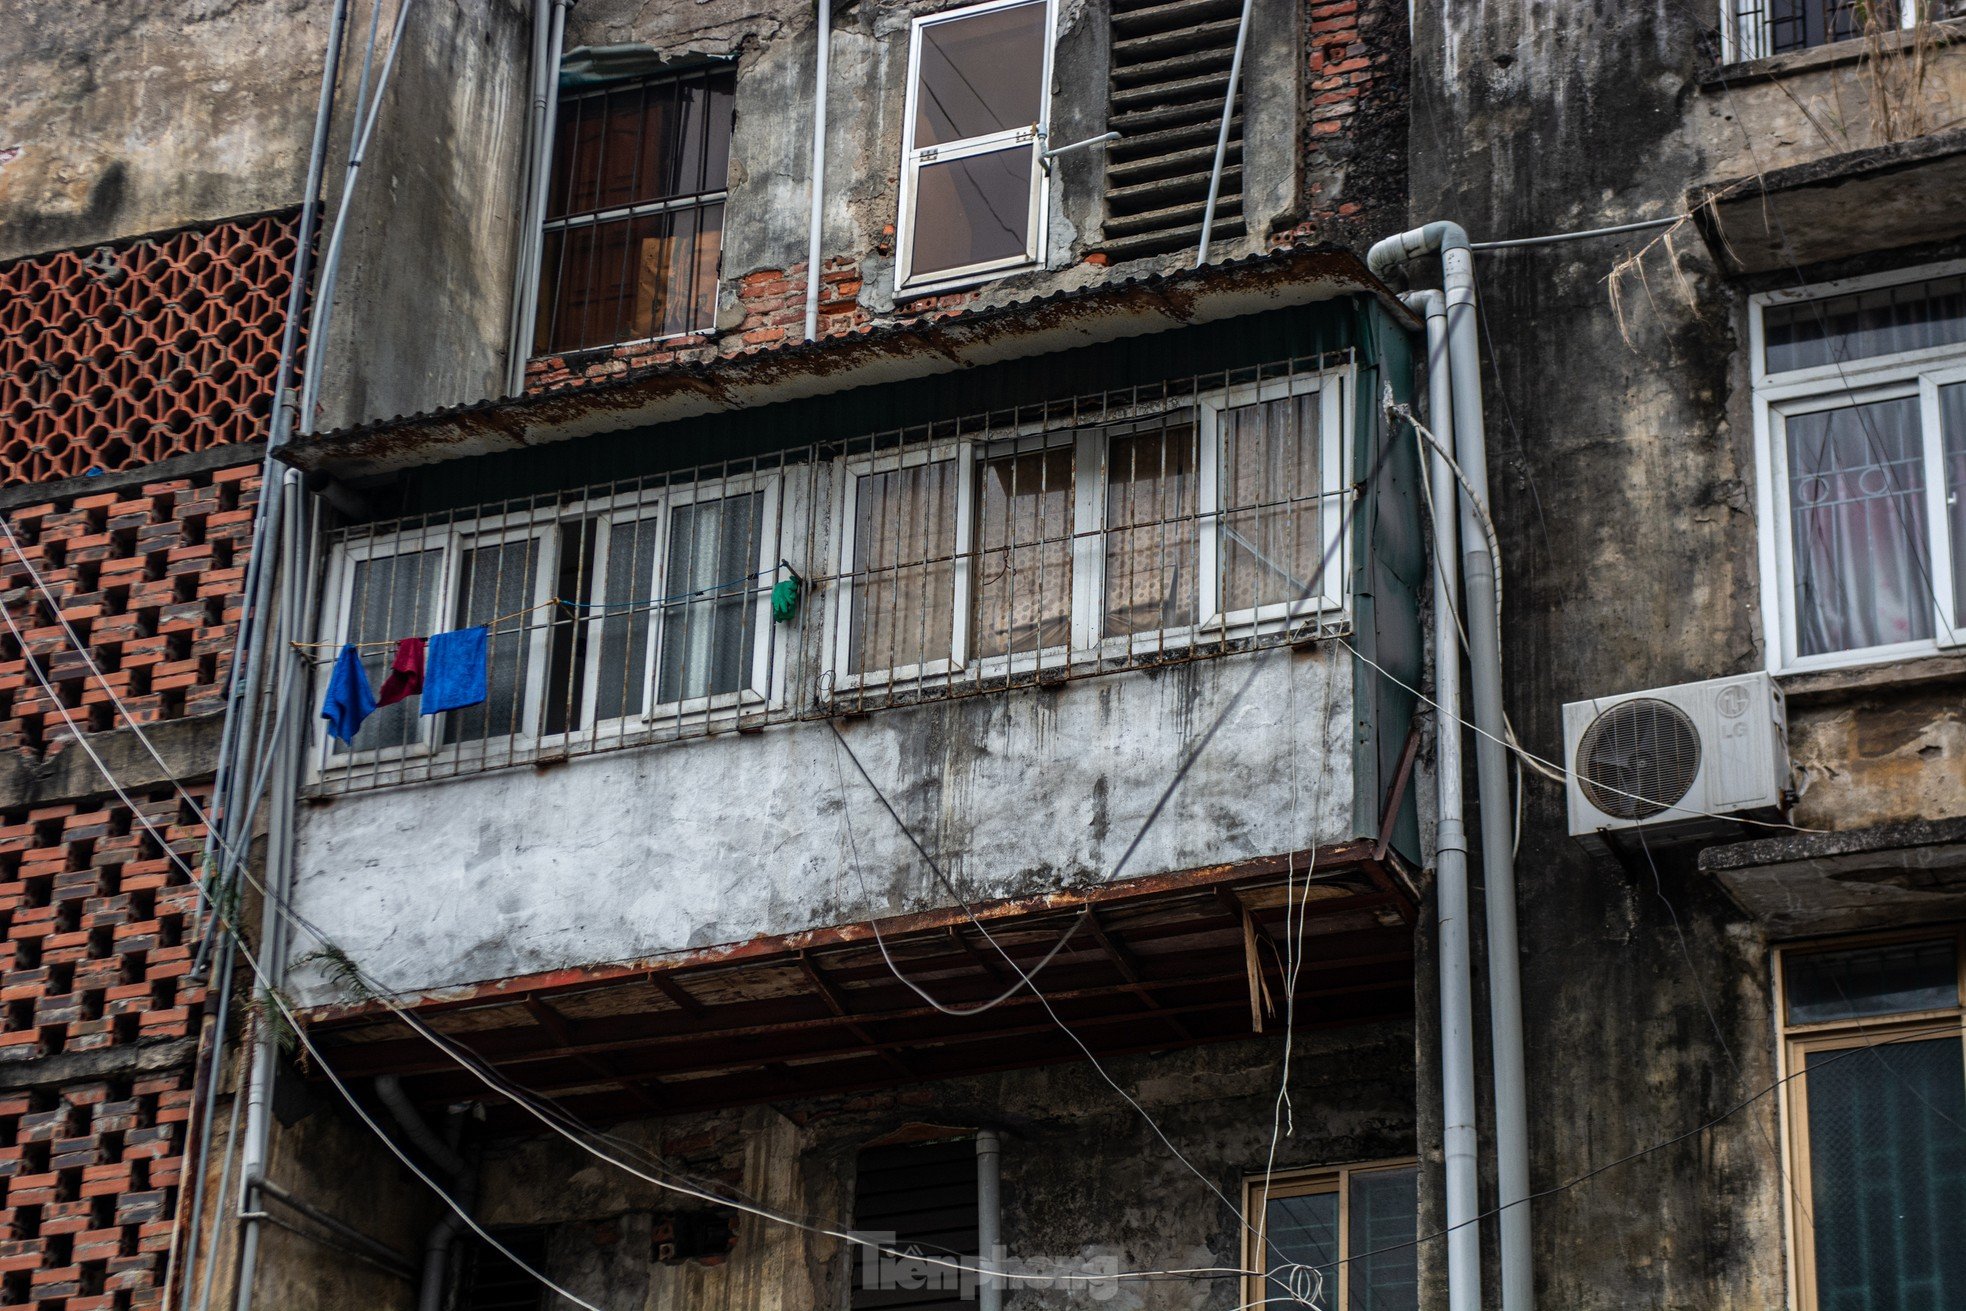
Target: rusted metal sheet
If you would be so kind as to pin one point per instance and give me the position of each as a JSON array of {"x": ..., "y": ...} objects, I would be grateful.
[
  {"x": 1024, "y": 329},
  {"x": 1152, "y": 963},
  {"x": 1329, "y": 859}
]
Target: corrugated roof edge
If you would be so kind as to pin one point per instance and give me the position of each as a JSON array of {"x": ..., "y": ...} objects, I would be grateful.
[{"x": 1061, "y": 320}]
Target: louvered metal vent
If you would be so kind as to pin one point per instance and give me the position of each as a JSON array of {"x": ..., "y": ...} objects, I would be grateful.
[
  {"x": 924, "y": 1194},
  {"x": 1170, "y": 71},
  {"x": 1638, "y": 758}
]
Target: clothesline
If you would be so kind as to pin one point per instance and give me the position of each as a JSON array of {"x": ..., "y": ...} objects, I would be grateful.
[{"x": 608, "y": 609}]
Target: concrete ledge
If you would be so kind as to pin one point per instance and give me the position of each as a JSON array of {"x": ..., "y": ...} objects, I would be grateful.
[
  {"x": 1831, "y": 685},
  {"x": 189, "y": 748},
  {"x": 178, "y": 466},
  {"x": 1886, "y": 198},
  {"x": 1885, "y": 876},
  {"x": 1722, "y": 76},
  {"x": 109, "y": 1063}
]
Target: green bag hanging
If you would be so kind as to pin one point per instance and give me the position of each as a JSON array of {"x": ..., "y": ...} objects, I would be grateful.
[{"x": 785, "y": 600}]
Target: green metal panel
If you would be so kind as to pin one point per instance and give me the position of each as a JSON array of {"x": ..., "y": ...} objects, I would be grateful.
[{"x": 1388, "y": 578}]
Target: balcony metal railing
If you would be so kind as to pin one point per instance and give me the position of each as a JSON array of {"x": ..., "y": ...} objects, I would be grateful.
[{"x": 1112, "y": 531}]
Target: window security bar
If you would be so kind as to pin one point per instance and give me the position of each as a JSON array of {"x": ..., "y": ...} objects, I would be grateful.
[
  {"x": 1104, "y": 138},
  {"x": 1122, "y": 530}
]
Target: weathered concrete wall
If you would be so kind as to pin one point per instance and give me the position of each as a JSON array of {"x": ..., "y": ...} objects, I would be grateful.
[
  {"x": 633, "y": 853},
  {"x": 125, "y": 119},
  {"x": 424, "y": 297},
  {"x": 1623, "y": 475},
  {"x": 1086, "y": 1184},
  {"x": 1323, "y": 155}
]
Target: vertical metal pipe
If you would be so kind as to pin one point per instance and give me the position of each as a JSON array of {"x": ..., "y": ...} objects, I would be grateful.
[
  {"x": 533, "y": 190},
  {"x": 820, "y": 76},
  {"x": 1453, "y": 911},
  {"x": 279, "y": 866},
  {"x": 317, "y": 339},
  {"x": 989, "y": 1217},
  {"x": 232, "y": 785},
  {"x": 1222, "y": 136}
]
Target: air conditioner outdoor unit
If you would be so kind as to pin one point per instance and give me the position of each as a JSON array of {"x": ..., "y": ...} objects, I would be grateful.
[{"x": 1676, "y": 760}]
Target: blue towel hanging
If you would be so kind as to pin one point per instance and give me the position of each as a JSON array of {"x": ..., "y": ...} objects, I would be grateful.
[
  {"x": 454, "y": 670},
  {"x": 350, "y": 699}
]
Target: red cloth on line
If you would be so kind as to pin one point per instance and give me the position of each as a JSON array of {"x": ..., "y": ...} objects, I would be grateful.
[{"x": 405, "y": 675}]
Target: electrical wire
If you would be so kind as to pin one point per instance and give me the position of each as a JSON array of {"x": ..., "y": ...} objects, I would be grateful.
[
  {"x": 505, "y": 1089},
  {"x": 1388, "y": 674},
  {"x": 267, "y": 988}
]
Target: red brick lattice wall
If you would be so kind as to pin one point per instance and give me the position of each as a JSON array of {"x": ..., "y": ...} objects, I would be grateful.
[
  {"x": 150, "y": 577},
  {"x": 100, "y": 929},
  {"x": 98, "y": 924},
  {"x": 121, "y": 355}
]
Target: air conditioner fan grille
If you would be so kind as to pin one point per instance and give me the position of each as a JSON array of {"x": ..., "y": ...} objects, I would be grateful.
[{"x": 1638, "y": 758}]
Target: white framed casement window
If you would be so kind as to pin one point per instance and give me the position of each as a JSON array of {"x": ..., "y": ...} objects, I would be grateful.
[
  {"x": 1756, "y": 29},
  {"x": 1213, "y": 517},
  {"x": 1344, "y": 1237},
  {"x": 1860, "y": 429},
  {"x": 1872, "y": 1060},
  {"x": 972, "y": 201},
  {"x": 608, "y": 618}
]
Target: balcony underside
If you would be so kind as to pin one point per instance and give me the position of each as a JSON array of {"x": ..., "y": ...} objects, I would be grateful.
[{"x": 1152, "y": 963}]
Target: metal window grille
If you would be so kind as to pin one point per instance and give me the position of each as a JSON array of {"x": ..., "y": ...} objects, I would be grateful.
[
  {"x": 634, "y": 218},
  {"x": 1760, "y": 28},
  {"x": 1190, "y": 518}
]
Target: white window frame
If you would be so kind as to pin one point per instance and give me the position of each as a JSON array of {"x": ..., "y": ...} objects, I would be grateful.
[
  {"x": 1744, "y": 37},
  {"x": 960, "y": 454},
  {"x": 1031, "y": 136},
  {"x": 1331, "y": 479},
  {"x": 764, "y": 687},
  {"x": 1088, "y": 591},
  {"x": 1834, "y": 386}
]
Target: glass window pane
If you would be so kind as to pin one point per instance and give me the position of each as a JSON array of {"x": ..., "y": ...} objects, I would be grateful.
[
  {"x": 1272, "y": 534},
  {"x": 980, "y": 74},
  {"x": 1952, "y": 429},
  {"x": 1021, "y": 581},
  {"x": 1857, "y": 507},
  {"x": 1865, "y": 324},
  {"x": 567, "y": 633},
  {"x": 496, "y": 582},
  {"x": 1301, "y": 1231},
  {"x": 1385, "y": 1221},
  {"x": 709, "y": 629},
  {"x": 904, "y": 541},
  {"x": 621, "y": 684},
  {"x": 972, "y": 211},
  {"x": 623, "y": 181},
  {"x": 389, "y": 600},
  {"x": 1151, "y": 549},
  {"x": 1890, "y": 980},
  {"x": 1887, "y": 1164}
]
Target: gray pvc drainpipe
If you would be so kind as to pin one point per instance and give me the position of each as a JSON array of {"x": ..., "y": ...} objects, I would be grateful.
[
  {"x": 317, "y": 330},
  {"x": 989, "y": 1217},
  {"x": 459, "y": 1173},
  {"x": 1491, "y": 753},
  {"x": 533, "y": 185},
  {"x": 549, "y": 46},
  {"x": 1459, "y": 1140},
  {"x": 820, "y": 76}
]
